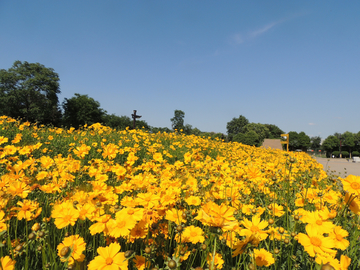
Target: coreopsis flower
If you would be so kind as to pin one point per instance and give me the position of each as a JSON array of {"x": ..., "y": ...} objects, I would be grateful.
[
  {"x": 315, "y": 243},
  {"x": 20, "y": 189},
  {"x": 132, "y": 213},
  {"x": 263, "y": 257},
  {"x": 215, "y": 215},
  {"x": 71, "y": 249},
  {"x": 158, "y": 157},
  {"x": 148, "y": 200},
  {"x": 193, "y": 200},
  {"x": 339, "y": 234},
  {"x": 316, "y": 221},
  {"x": 140, "y": 262},
  {"x": 121, "y": 226},
  {"x": 3, "y": 140},
  {"x": 139, "y": 231},
  {"x": 345, "y": 262},
  {"x": 277, "y": 210},
  {"x": 110, "y": 151},
  {"x": 353, "y": 202},
  {"x": 28, "y": 210},
  {"x": 193, "y": 235},
  {"x": 255, "y": 226},
  {"x": 110, "y": 258},
  {"x": 351, "y": 184},
  {"x": 82, "y": 151},
  {"x": 175, "y": 215},
  {"x": 215, "y": 262},
  {"x": 65, "y": 214},
  {"x": 241, "y": 245},
  {"x": 102, "y": 225},
  {"x": 46, "y": 162},
  {"x": 6, "y": 263}
]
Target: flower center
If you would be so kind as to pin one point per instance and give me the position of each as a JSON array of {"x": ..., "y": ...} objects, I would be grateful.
[
  {"x": 130, "y": 212},
  {"x": 193, "y": 234},
  {"x": 339, "y": 237},
  {"x": 315, "y": 241},
  {"x": 109, "y": 261},
  {"x": 355, "y": 185},
  {"x": 319, "y": 222},
  {"x": 121, "y": 224},
  {"x": 254, "y": 229}
]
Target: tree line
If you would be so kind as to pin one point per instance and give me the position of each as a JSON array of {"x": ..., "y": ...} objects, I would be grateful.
[{"x": 29, "y": 91}]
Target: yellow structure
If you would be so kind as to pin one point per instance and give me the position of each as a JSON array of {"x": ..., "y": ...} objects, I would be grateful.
[{"x": 286, "y": 142}]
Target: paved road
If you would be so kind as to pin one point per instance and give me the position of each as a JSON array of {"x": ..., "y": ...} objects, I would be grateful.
[{"x": 340, "y": 166}]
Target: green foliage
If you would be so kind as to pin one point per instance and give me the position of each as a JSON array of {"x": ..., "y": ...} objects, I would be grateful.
[
  {"x": 236, "y": 126},
  {"x": 336, "y": 153},
  {"x": 274, "y": 131},
  {"x": 248, "y": 138},
  {"x": 331, "y": 143},
  {"x": 355, "y": 153},
  {"x": 80, "y": 110},
  {"x": 345, "y": 153},
  {"x": 315, "y": 142},
  {"x": 117, "y": 122},
  {"x": 298, "y": 141},
  {"x": 29, "y": 91},
  {"x": 260, "y": 130},
  {"x": 178, "y": 120}
]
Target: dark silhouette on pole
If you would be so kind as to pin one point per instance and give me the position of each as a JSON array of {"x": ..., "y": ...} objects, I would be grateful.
[{"x": 134, "y": 116}]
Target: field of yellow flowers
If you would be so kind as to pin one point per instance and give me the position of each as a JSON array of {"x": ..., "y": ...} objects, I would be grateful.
[{"x": 97, "y": 198}]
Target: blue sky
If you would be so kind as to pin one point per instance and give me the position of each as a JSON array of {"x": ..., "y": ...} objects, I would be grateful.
[{"x": 295, "y": 64}]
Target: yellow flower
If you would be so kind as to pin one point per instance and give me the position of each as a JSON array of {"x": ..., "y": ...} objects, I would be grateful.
[
  {"x": 110, "y": 258},
  {"x": 316, "y": 221},
  {"x": 71, "y": 249},
  {"x": 193, "y": 235},
  {"x": 339, "y": 234},
  {"x": 193, "y": 200},
  {"x": 64, "y": 215},
  {"x": 315, "y": 243},
  {"x": 255, "y": 227},
  {"x": 215, "y": 262},
  {"x": 122, "y": 226},
  {"x": 351, "y": 184},
  {"x": 28, "y": 210},
  {"x": 263, "y": 257},
  {"x": 3, "y": 140},
  {"x": 7, "y": 263}
]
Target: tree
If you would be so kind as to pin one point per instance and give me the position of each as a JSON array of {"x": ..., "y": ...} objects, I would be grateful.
[
  {"x": 274, "y": 131},
  {"x": 117, "y": 122},
  {"x": 236, "y": 126},
  {"x": 315, "y": 142},
  {"x": 293, "y": 141},
  {"x": 80, "y": 110},
  {"x": 260, "y": 130},
  {"x": 248, "y": 138},
  {"x": 29, "y": 91},
  {"x": 304, "y": 141},
  {"x": 348, "y": 141},
  {"x": 330, "y": 144},
  {"x": 178, "y": 120}
]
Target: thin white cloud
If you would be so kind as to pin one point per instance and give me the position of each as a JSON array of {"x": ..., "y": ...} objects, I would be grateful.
[
  {"x": 239, "y": 38},
  {"x": 312, "y": 124},
  {"x": 263, "y": 30}
]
